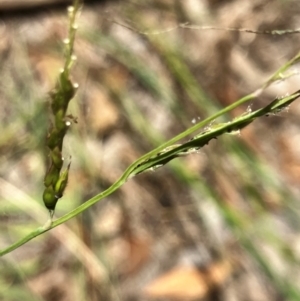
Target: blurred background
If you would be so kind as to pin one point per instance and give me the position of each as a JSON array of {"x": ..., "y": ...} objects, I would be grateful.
[{"x": 222, "y": 224}]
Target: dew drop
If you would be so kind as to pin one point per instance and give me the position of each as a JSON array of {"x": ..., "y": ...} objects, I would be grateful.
[
  {"x": 249, "y": 109},
  {"x": 193, "y": 150},
  {"x": 209, "y": 126},
  {"x": 278, "y": 111},
  {"x": 153, "y": 168},
  {"x": 194, "y": 120},
  {"x": 235, "y": 132},
  {"x": 70, "y": 9}
]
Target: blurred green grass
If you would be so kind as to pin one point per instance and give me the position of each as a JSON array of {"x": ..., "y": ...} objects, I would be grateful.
[{"x": 255, "y": 203}]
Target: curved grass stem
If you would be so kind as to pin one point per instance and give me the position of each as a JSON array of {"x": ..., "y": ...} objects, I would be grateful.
[
  {"x": 160, "y": 157},
  {"x": 166, "y": 151}
]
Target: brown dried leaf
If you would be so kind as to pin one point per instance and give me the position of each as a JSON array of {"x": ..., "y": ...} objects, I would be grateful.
[{"x": 187, "y": 283}]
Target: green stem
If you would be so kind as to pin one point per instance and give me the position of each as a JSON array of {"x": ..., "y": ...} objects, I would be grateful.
[
  {"x": 140, "y": 165},
  {"x": 133, "y": 168}
]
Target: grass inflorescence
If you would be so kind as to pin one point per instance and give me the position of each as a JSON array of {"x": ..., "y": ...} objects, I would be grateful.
[{"x": 56, "y": 179}]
